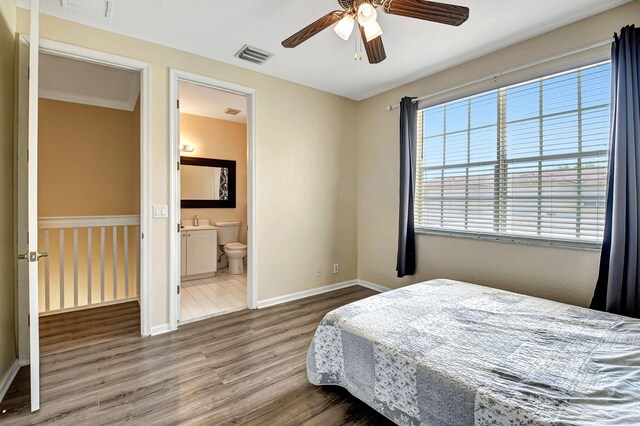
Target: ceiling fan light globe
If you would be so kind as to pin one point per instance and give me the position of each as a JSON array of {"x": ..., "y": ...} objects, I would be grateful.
[
  {"x": 344, "y": 27},
  {"x": 366, "y": 14},
  {"x": 372, "y": 31}
]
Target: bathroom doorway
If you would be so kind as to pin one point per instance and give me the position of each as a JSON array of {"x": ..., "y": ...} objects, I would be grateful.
[{"x": 212, "y": 130}]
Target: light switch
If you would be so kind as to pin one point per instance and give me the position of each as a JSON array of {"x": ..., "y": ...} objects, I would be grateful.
[{"x": 160, "y": 211}]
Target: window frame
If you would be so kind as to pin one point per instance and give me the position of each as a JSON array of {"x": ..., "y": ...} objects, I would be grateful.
[{"x": 501, "y": 162}]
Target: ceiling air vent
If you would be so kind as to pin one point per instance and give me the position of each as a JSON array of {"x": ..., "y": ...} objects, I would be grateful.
[
  {"x": 232, "y": 111},
  {"x": 99, "y": 8},
  {"x": 253, "y": 54}
]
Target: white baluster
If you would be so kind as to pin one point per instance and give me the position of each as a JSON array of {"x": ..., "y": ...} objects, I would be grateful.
[
  {"x": 47, "y": 292},
  {"x": 126, "y": 261},
  {"x": 138, "y": 261},
  {"x": 115, "y": 263},
  {"x": 89, "y": 265},
  {"x": 61, "y": 263},
  {"x": 75, "y": 267},
  {"x": 102, "y": 235}
]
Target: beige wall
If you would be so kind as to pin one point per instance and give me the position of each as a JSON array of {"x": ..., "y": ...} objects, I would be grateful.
[
  {"x": 310, "y": 174},
  {"x": 560, "y": 274},
  {"x": 222, "y": 140},
  {"x": 305, "y": 167},
  {"x": 89, "y": 160},
  {"x": 7, "y": 259}
]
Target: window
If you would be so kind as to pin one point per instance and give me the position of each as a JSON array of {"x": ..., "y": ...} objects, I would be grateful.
[{"x": 523, "y": 162}]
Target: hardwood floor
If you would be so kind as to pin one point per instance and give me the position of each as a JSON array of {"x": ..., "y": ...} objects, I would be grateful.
[{"x": 246, "y": 367}]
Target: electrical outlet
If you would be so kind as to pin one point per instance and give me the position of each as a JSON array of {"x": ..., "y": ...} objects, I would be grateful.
[
  {"x": 336, "y": 268},
  {"x": 317, "y": 272}
]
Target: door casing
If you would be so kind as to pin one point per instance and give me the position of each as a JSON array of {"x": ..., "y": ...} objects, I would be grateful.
[{"x": 250, "y": 94}]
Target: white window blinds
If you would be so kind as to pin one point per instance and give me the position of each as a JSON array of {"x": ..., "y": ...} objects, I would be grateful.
[{"x": 527, "y": 161}]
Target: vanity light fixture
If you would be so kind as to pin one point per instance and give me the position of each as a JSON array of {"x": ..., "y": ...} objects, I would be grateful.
[{"x": 187, "y": 148}]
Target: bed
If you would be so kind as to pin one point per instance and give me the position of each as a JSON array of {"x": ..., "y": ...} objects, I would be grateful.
[{"x": 444, "y": 352}]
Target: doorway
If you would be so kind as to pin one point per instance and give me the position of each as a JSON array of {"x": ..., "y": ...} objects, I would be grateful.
[
  {"x": 88, "y": 185},
  {"x": 77, "y": 240},
  {"x": 212, "y": 198}
]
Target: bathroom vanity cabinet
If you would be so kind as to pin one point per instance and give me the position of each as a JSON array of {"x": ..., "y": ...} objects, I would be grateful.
[{"x": 199, "y": 254}]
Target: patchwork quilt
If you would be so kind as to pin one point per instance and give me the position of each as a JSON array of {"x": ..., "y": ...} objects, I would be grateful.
[{"x": 444, "y": 352}]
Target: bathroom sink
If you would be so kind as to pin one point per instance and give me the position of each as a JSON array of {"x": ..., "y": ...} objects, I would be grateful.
[{"x": 197, "y": 228}]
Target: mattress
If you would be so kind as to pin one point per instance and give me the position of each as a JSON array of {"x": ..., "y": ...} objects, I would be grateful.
[{"x": 444, "y": 352}]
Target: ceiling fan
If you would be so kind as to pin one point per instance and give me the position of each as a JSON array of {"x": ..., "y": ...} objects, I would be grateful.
[{"x": 363, "y": 14}]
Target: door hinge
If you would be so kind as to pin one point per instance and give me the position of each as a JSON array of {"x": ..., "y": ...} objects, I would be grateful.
[
  {"x": 28, "y": 73},
  {"x": 178, "y": 289},
  {"x": 29, "y": 320},
  {"x": 178, "y": 103},
  {"x": 142, "y": 236},
  {"x": 178, "y": 165},
  {"x": 178, "y": 228}
]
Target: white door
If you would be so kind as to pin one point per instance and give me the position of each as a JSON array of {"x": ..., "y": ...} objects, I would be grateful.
[
  {"x": 27, "y": 200},
  {"x": 178, "y": 214}
]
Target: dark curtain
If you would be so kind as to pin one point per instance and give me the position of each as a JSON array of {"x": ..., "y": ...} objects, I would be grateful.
[
  {"x": 406, "y": 264},
  {"x": 617, "y": 289}
]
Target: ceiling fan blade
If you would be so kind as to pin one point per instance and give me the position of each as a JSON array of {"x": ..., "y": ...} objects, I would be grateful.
[
  {"x": 310, "y": 30},
  {"x": 374, "y": 48},
  {"x": 442, "y": 13}
]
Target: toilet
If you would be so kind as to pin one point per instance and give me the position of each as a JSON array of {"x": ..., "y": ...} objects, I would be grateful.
[{"x": 228, "y": 233}]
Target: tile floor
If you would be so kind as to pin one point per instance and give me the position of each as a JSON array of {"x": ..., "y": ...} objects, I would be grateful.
[{"x": 208, "y": 297}]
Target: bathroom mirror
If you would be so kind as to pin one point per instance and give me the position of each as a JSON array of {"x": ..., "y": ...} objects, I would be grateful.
[{"x": 207, "y": 183}]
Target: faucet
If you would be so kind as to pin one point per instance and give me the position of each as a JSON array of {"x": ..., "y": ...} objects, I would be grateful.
[{"x": 195, "y": 220}]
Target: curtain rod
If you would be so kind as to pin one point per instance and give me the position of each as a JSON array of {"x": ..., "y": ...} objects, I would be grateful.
[{"x": 512, "y": 70}]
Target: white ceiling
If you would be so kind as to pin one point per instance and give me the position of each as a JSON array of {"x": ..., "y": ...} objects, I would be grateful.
[
  {"x": 219, "y": 28},
  {"x": 71, "y": 80},
  {"x": 207, "y": 102}
]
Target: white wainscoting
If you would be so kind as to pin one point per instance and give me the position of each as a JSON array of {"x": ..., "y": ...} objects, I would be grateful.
[{"x": 93, "y": 261}]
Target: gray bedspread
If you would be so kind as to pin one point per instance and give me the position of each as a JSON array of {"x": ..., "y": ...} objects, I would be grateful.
[{"x": 449, "y": 353}]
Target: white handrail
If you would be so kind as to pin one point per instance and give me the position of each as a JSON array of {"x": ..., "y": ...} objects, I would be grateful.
[{"x": 86, "y": 221}]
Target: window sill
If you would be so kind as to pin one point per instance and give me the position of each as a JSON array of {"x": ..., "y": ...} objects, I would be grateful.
[{"x": 514, "y": 240}]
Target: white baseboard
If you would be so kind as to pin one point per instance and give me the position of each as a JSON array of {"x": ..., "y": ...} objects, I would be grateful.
[
  {"x": 160, "y": 329},
  {"x": 372, "y": 286},
  {"x": 8, "y": 378},
  {"x": 306, "y": 293}
]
